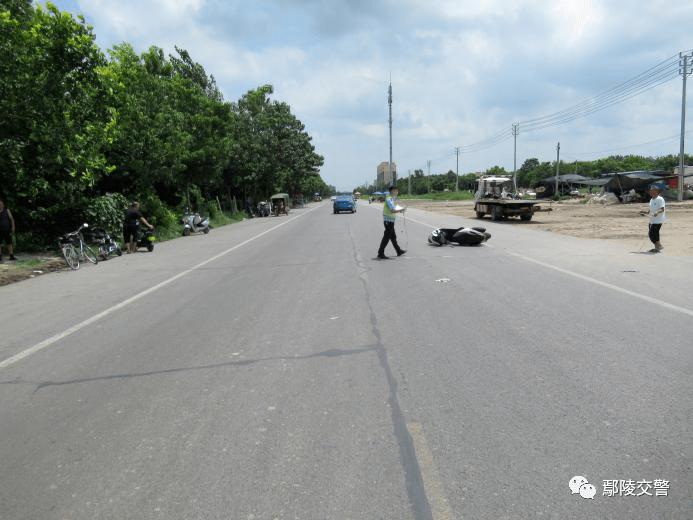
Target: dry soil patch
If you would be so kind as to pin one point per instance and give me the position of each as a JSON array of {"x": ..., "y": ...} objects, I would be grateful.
[{"x": 615, "y": 222}]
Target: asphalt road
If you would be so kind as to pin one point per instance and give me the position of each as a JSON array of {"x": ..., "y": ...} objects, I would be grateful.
[{"x": 274, "y": 369}]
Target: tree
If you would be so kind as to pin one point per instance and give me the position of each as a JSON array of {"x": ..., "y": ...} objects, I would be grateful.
[
  {"x": 272, "y": 151},
  {"x": 468, "y": 181},
  {"x": 188, "y": 69},
  {"x": 76, "y": 127},
  {"x": 53, "y": 115},
  {"x": 20, "y": 10},
  {"x": 496, "y": 170},
  {"x": 151, "y": 145}
]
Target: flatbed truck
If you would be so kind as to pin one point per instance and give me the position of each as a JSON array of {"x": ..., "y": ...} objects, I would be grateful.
[{"x": 493, "y": 198}]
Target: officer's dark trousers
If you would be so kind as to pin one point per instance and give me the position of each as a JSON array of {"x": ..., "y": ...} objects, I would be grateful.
[{"x": 388, "y": 236}]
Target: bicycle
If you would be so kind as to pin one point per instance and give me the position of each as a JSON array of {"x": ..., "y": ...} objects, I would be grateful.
[{"x": 74, "y": 249}]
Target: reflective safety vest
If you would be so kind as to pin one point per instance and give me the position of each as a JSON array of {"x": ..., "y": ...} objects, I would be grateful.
[{"x": 388, "y": 209}]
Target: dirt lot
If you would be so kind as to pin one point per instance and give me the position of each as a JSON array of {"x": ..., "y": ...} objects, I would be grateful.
[{"x": 615, "y": 222}]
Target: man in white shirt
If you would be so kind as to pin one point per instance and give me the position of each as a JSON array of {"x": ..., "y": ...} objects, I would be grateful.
[{"x": 657, "y": 217}]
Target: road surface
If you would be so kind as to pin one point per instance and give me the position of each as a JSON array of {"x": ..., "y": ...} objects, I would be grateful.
[{"x": 275, "y": 369}]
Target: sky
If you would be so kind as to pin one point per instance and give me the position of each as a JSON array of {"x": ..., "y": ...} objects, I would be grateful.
[{"x": 462, "y": 73}]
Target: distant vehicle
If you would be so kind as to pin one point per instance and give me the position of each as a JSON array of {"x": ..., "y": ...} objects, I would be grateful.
[
  {"x": 494, "y": 198},
  {"x": 333, "y": 197},
  {"x": 280, "y": 204},
  {"x": 344, "y": 203}
]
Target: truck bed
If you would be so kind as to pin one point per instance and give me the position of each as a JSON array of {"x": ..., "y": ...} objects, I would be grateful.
[{"x": 502, "y": 208}]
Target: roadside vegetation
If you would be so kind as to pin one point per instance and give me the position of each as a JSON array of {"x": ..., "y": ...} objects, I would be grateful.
[
  {"x": 445, "y": 186},
  {"x": 84, "y": 132}
]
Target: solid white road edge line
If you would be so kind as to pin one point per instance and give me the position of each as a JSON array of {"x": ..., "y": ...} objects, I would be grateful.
[
  {"x": 649, "y": 299},
  {"x": 61, "y": 335}
]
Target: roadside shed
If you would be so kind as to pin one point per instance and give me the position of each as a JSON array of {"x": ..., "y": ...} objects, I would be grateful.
[
  {"x": 547, "y": 187},
  {"x": 621, "y": 183}
]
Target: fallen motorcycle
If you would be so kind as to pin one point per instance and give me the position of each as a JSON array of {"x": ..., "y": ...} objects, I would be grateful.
[
  {"x": 460, "y": 236},
  {"x": 193, "y": 222}
]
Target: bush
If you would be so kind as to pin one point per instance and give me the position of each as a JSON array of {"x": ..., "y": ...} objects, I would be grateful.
[
  {"x": 107, "y": 212},
  {"x": 157, "y": 213},
  {"x": 194, "y": 199},
  {"x": 214, "y": 211},
  {"x": 29, "y": 241}
]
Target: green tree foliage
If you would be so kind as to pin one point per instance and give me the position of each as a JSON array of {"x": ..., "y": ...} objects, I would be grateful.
[
  {"x": 271, "y": 150},
  {"x": 19, "y": 9},
  {"x": 150, "y": 145},
  {"x": 53, "y": 116},
  {"x": 107, "y": 212},
  {"x": 533, "y": 171},
  {"x": 76, "y": 127}
]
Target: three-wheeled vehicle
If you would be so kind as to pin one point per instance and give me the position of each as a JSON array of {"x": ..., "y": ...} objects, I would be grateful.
[{"x": 280, "y": 204}]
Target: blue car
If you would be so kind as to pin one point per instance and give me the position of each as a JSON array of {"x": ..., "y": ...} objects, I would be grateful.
[{"x": 344, "y": 203}]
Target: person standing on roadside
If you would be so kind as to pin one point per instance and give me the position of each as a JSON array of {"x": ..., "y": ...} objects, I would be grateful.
[
  {"x": 133, "y": 217},
  {"x": 657, "y": 217},
  {"x": 6, "y": 230},
  {"x": 390, "y": 210}
]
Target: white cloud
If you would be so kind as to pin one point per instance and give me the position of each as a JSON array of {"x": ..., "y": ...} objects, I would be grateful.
[
  {"x": 374, "y": 130},
  {"x": 472, "y": 9},
  {"x": 152, "y": 22},
  {"x": 462, "y": 70},
  {"x": 576, "y": 22}
]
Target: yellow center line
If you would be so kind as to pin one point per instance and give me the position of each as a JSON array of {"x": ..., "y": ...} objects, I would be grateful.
[{"x": 440, "y": 508}]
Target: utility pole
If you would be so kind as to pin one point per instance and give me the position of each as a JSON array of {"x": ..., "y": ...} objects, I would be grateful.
[
  {"x": 409, "y": 182},
  {"x": 429, "y": 176},
  {"x": 684, "y": 72},
  {"x": 392, "y": 178},
  {"x": 516, "y": 130},
  {"x": 457, "y": 171},
  {"x": 558, "y": 163}
]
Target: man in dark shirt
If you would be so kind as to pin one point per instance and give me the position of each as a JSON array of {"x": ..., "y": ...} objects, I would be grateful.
[{"x": 133, "y": 217}]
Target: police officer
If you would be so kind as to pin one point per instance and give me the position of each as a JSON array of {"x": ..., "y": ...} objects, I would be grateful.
[{"x": 390, "y": 210}]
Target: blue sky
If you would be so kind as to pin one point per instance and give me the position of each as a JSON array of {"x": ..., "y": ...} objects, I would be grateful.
[{"x": 462, "y": 72}]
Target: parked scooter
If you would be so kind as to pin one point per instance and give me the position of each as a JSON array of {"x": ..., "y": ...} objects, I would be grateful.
[
  {"x": 263, "y": 209},
  {"x": 145, "y": 238},
  {"x": 193, "y": 222},
  {"x": 107, "y": 246}
]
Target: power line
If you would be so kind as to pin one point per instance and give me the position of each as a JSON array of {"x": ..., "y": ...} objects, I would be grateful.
[
  {"x": 651, "y": 78},
  {"x": 486, "y": 143},
  {"x": 669, "y": 139},
  {"x": 657, "y": 75}
]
